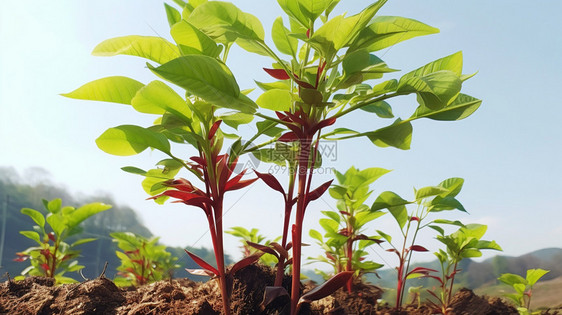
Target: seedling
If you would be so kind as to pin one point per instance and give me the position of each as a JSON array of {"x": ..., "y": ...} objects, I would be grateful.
[
  {"x": 53, "y": 256},
  {"x": 251, "y": 239},
  {"x": 523, "y": 288},
  {"x": 142, "y": 260},
  {"x": 345, "y": 247},
  {"x": 464, "y": 243},
  {"x": 427, "y": 200},
  {"x": 330, "y": 59}
]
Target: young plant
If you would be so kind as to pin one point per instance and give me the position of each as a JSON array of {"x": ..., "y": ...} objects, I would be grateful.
[
  {"x": 415, "y": 293},
  {"x": 464, "y": 243},
  {"x": 53, "y": 256},
  {"x": 196, "y": 63},
  {"x": 523, "y": 288},
  {"x": 345, "y": 247},
  {"x": 251, "y": 239},
  {"x": 427, "y": 200},
  {"x": 324, "y": 78},
  {"x": 142, "y": 260}
]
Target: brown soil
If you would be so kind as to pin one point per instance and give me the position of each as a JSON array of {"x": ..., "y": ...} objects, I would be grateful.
[{"x": 182, "y": 296}]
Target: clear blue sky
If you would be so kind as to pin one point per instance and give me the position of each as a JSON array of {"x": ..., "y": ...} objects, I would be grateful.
[{"x": 508, "y": 151}]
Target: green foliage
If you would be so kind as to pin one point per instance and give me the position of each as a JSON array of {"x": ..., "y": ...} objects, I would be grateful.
[
  {"x": 426, "y": 200},
  {"x": 143, "y": 261},
  {"x": 466, "y": 242},
  {"x": 52, "y": 256},
  {"x": 346, "y": 246},
  {"x": 523, "y": 288},
  {"x": 330, "y": 73},
  {"x": 253, "y": 236}
]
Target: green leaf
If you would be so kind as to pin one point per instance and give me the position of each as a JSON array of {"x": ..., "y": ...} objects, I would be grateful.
[
  {"x": 367, "y": 176},
  {"x": 268, "y": 128},
  {"x": 387, "y": 237},
  {"x": 471, "y": 253},
  {"x": 35, "y": 216},
  {"x": 64, "y": 280},
  {"x": 453, "y": 186},
  {"x": 332, "y": 215},
  {"x": 329, "y": 225},
  {"x": 446, "y": 203},
  {"x": 115, "y": 89},
  {"x": 398, "y": 135},
  {"x": 533, "y": 275},
  {"x": 171, "y": 166},
  {"x": 172, "y": 14},
  {"x": 429, "y": 191},
  {"x": 278, "y": 155},
  {"x": 157, "y": 98},
  {"x": 293, "y": 10},
  {"x": 276, "y": 99},
  {"x": 235, "y": 119},
  {"x": 313, "y": 8},
  {"x": 283, "y": 85},
  {"x": 439, "y": 229},
  {"x": 488, "y": 245},
  {"x": 365, "y": 217},
  {"x": 32, "y": 235},
  {"x": 280, "y": 34},
  {"x": 435, "y": 90},
  {"x": 384, "y": 87},
  {"x": 339, "y": 31},
  {"x": 451, "y": 63},
  {"x": 152, "y": 184},
  {"x": 154, "y": 48},
  {"x": 83, "y": 241},
  {"x": 443, "y": 221},
  {"x": 474, "y": 230},
  {"x": 387, "y": 200},
  {"x": 519, "y": 287},
  {"x": 130, "y": 140},
  {"x": 134, "y": 170},
  {"x": 56, "y": 222},
  {"x": 85, "y": 212},
  {"x": 387, "y": 31},
  {"x": 225, "y": 23},
  {"x": 207, "y": 78},
  {"x": 462, "y": 107},
  {"x": 400, "y": 214},
  {"x": 316, "y": 235},
  {"x": 192, "y": 41},
  {"x": 511, "y": 279},
  {"x": 359, "y": 66},
  {"x": 338, "y": 192},
  {"x": 341, "y": 131},
  {"x": 54, "y": 206},
  {"x": 382, "y": 109}
]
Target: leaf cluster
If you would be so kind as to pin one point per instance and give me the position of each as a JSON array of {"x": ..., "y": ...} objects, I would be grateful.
[
  {"x": 143, "y": 260},
  {"x": 523, "y": 287},
  {"x": 53, "y": 257},
  {"x": 346, "y": 244}
]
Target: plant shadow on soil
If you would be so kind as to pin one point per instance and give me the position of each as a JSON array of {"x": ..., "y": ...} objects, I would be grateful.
[{"x": 36, "y": 295}]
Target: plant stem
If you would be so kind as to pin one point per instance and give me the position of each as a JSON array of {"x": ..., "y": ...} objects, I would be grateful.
[
  {"x": 54, "y": 262},
  {"x": 450, "y": 295},
  {"x": 410, "y": 255},
  {"x": 304, "y": 154}
]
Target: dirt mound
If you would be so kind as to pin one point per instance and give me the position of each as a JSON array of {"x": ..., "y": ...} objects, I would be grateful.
[{"x": 37, "y": 295}]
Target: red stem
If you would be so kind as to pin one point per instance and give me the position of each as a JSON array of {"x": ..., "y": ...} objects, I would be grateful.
[
  {"x": 54, "y": 262},
  {"x": 349, "y": 257},
  {"x": 451, "y": 287},
  {"x": 297, "y": 230}
]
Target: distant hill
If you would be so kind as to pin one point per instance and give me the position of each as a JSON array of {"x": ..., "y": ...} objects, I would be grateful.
[{"x": 15, "y": 194}]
